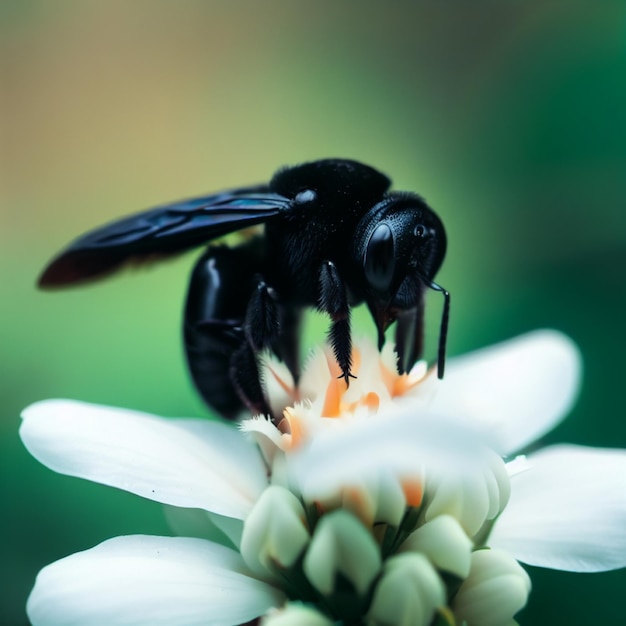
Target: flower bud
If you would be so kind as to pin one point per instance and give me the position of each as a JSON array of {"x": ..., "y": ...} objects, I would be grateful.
[
  {"x": 409, "y": 592},
  {"x": 495, "y": 590},
  {"x": 376, "y": 498},
  {"x": 445, "y": 544},
  {"x": 341, "y": 545},
  {"x": 472, "y": 499},
  {"x": 274, "y": 533},
  {"x": 295, "y": 613}
]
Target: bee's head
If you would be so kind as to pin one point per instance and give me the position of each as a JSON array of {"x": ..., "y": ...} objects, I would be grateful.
[{"x": 399, "y": 246}]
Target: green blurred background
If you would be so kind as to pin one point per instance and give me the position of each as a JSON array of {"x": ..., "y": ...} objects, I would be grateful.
[{"x": 509, "y": 119}]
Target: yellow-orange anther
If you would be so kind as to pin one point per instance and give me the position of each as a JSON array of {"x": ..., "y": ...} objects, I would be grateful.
[
  {"x": 413, "y": 492},
  {"x": 332, "y": 401},
  {"x": 291, "y": 427},
  {"x": 398, "y": 384}
]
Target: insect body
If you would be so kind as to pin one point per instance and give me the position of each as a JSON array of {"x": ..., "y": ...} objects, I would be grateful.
[{"x": 334, "y": 237}]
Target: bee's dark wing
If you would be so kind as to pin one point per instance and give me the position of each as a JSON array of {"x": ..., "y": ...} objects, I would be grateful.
[{"x": 163, "y": 230}]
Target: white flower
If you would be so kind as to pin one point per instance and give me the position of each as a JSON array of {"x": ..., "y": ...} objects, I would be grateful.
[{"x": 334, "y": 513}]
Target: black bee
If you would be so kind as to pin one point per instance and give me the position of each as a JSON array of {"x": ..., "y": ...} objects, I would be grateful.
[{"x": 334, "y": 237}]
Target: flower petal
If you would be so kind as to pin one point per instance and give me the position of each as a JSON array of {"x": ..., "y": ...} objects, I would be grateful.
[
  {"x": 196, "y": 523},
  {"x": 402, "y": 442},
  {"x": 186, "y": 463},
  {"x": 518, "y": 390},
  {"x": 495, "y": 590},
  {"x": 150, "y": 580},
  {"x": 568, "y": 510}
]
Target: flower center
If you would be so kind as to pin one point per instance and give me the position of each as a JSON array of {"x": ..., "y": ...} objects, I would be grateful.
[
  {"x": 377, "y": 547},
  {"x": 415, "y": 570},
  {"x": 323, "y": 394}
]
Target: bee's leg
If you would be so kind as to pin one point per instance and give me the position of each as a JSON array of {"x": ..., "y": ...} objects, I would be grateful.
[
  {"x": 261, "y": 328},
  {"x": 334, "y": 301},
  {"x": 288, "y": 344},
  {"x": 245, "y": 377},
  {"x": 220, "y": 357},
  {"x": 262, "y": 323},
  {"x": 410, "y": 334},
  {"x": 272, "y": 325}
]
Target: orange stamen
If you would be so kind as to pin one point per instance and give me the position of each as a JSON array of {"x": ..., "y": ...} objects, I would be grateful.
[
  {"x": 402, "y": 384},
  {"x": 372, "y": 401},
  {"x": 413, "y": 492},
  {"x": 293, "y": 428},
  {"x": 398, "y": 384},
  {"x": 332, "y": 401},
  {"x": 288, "y": 389}
]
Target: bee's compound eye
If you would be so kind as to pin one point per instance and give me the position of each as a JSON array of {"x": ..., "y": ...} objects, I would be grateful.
[
  {"x": 305, "y": 196},
  {"x": 379, "y": 262}
]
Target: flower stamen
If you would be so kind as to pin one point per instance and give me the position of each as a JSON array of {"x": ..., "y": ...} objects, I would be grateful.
[
  {"x": 413, "y": 492},
  {"x": 332, "y": 400}
]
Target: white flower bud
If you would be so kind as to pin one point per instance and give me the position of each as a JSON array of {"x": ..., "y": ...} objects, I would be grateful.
[
  {"x": 473, "y": 498},
  {"x": 495, "y": 590},
  {"x": 408, "y": 593},
  {"x": 392, "y": 500},
  {"x": 445, "y": 543},
  {"x": 341, "y": 544},
  {"x": 375, "y": 498},
  {"x": 295, "y": 614},
  {"x": 274, "y": 533}
]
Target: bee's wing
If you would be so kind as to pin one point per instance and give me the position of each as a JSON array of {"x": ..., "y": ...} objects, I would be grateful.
[{"x": 163, "y": 230}]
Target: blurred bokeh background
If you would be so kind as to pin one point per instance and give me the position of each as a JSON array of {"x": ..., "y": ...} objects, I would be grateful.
[{"x": 509, "y": 119}]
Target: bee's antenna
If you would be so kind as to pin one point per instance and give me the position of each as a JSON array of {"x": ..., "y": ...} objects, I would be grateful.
[{"x": 443, "y": 328}]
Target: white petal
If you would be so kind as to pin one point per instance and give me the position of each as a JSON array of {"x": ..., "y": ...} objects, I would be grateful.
[
  {"x": 187, "y": 463},
  {"x": 140, "y": 580},
  {"x": 403, "y": 442},
  {"x": 568, "y": 510},
  {"x": 230, "y": 526},
  {"x": 198, "y": 523},
  {"x": 518, "y": 390},
  {"x": 263, "y": 432}
]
